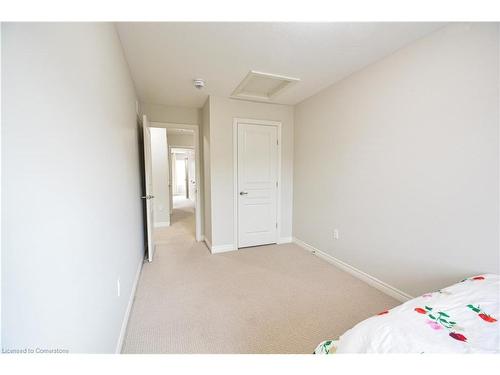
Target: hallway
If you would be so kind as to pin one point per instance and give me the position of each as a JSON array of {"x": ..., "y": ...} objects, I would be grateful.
[{"x": 182, "y": 221}]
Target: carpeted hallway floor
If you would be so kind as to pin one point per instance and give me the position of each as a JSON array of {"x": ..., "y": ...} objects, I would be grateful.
[
  {"x": 181, "y": 220},
  {"x": 268, "y": 299}
]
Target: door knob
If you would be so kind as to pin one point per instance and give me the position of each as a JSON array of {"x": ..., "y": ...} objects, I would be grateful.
[
  {"x": 243, "y": 193},
  {"x": 149, "y": 196}
]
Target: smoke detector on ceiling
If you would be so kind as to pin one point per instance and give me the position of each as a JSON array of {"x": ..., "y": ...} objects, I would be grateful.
[{"x": 199, "y": 83}]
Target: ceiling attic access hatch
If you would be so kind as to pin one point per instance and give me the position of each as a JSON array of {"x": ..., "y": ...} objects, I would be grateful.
[{"x": 262, "y": 86}]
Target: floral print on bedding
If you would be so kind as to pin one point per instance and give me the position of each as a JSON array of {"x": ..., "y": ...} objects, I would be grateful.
[{"x": 459, "y": 319}]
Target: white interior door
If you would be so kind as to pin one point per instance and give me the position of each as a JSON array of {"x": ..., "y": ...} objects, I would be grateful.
[
  {"x": 192, "y": 175},
  {"x": 257, "y": 184},
  {"x": 170, "y": 180},
  {"x": 148, "y": 175}
]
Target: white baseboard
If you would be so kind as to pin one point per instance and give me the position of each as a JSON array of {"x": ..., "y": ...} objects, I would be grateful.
[
  {"x": 222, "y": 248},
  {"x": 162, "y": 224},
  {"x": 126, "y": 317},
  {"x": 231, "y": 247},
  {"x": 373, "y": 281},
  {"x": 218, "y": 248},
  {"x": 285, "y": 240}
]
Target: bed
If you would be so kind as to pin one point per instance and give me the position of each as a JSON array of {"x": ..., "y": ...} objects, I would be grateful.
[{"x": 459, "y": 319}]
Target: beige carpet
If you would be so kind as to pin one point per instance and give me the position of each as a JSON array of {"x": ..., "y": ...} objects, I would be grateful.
[
  {"x": 181, "y": 222},
  {"x": 268, "y": 299}
]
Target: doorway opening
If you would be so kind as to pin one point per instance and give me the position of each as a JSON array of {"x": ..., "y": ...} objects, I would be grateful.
[
  {"x": 176, "y": 176},
  {"x": 183, "y": 166},
  {"x": 183, "y": 183}
]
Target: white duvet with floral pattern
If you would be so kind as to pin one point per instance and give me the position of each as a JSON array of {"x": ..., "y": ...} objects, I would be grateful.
[{"x": 459, "y": 319}]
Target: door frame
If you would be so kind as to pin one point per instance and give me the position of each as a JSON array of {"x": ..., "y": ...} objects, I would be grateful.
[
  {"x": 196, "y": 129},
  {"x": 236, "y": 122}
]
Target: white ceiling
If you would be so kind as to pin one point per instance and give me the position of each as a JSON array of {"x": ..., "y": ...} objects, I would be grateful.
[{"x": 165, "y": 57}]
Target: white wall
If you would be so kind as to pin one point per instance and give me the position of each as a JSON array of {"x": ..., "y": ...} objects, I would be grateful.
[
  {"x": 222, "y": 113},
  {"x": 402, "y": 158},
  {"x": 181, "y": 140},
  {"x": 72, "y": 214},
  {"x": 171, "y": 114},
  {"x": 159, "y": 162}
]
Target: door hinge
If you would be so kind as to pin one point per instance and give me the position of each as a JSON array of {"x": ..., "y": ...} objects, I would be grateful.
[
  {"x": 276, "y": 225},
  {"x": 277, "y": 143},
  {"x": 276, "y": 183}
]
